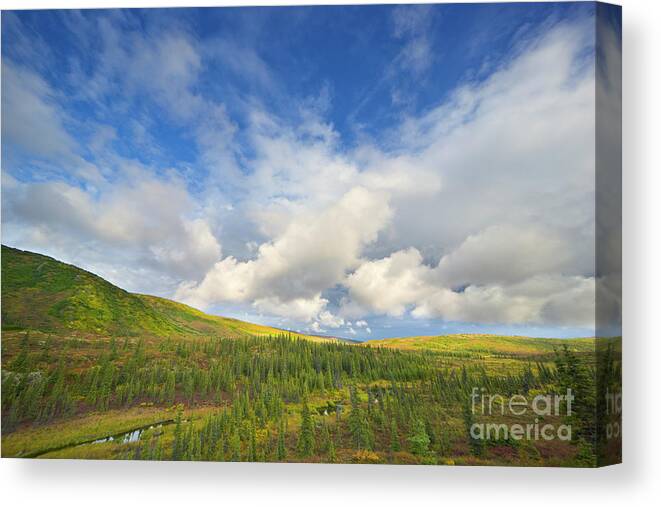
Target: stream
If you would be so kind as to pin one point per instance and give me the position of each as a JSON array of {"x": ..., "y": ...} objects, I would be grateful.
[{"x": 132, "y": 435}]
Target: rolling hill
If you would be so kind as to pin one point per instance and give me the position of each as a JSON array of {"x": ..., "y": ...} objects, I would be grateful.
[
  {"x": 41, "y": 293},
  {"x": 471, "y": 344}
]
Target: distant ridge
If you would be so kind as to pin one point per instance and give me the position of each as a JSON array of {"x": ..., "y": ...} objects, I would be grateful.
[{"x": 486, "y": 344}]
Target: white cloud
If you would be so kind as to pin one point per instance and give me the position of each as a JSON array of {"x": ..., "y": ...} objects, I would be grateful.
[
  {"x": 301, "y": 309},
  {"x": 506, "y": 254},
  {"x": 34, "y": 123},
  {"x": 401, "y": 283},
  {"x": 30, "y": 118},
  {"x": 540, "y": 300},
  {"x": 389, "y": 285},
  {"x": 141, "y": 219},
  {"x": 327, "y": 319},
  {"x": 312, "y": 254},
  {"x": 161, "y": 66}
]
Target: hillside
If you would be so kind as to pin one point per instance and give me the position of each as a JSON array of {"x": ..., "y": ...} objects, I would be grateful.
[
  {"x": 41, "y": 293},
  {"x": 44, "y": 294}
]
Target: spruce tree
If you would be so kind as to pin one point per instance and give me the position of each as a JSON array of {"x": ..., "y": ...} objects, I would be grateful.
[
  {"x": 178, "y": 433},
  {"x": 281, "y": 451},
  {"x": 476, "y": 445},
  {"x": 419, "y": 439},
  {"x": 306, "y": 435},
  {"x": 332, "y": 457},
  {"x": 235, "y": 446},
  {"x": 394, "y": 436},
  {"x": 22, "y": 361}
]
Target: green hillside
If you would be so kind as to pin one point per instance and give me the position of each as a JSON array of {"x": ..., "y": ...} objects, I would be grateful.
[
  {"x": 40, "y": 293},
  {"x": 43, "y": 294}
]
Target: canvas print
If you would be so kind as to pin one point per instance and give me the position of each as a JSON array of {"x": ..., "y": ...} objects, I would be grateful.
[{"x": 377, "y": 234}]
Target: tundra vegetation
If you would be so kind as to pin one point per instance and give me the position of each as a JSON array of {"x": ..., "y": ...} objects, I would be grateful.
[{"x": 92, "y": 371}]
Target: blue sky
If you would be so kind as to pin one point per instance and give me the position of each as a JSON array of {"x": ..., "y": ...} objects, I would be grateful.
[{"x": 361, "y": 171}]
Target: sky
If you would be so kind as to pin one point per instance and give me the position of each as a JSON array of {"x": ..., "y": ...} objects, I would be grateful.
[{"x": 356, "y": 171}]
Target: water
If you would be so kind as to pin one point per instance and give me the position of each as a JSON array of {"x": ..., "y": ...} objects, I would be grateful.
[{"x": 127, "y": 437}]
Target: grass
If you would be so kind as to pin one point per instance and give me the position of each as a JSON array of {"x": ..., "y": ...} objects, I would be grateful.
[
  {"x": 36, "y": 440},
  {"x": 65, "y": 437},
  {"x": 516, "y": 347}
]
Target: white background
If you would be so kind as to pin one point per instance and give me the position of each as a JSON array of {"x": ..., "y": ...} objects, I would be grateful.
[{"x": 636, "y": 482}]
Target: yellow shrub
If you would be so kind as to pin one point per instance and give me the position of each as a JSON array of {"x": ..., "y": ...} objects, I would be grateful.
[{"x": 365, "y": 457}]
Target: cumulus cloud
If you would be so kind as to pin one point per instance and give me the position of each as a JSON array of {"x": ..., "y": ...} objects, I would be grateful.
[
  {"x": 327, "y": 319},
  {"x": 506, "y": 254},
  {"x": 532, "y": 302},
  {"x": 312, "y": 254},
  {"x": 402, "y": 282},
  {"x": 301, "y": 309},
  {"x": 146, "y": 217},
  {"x": 315, "y": 327},
  {"x": 389, "y": 285}
]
